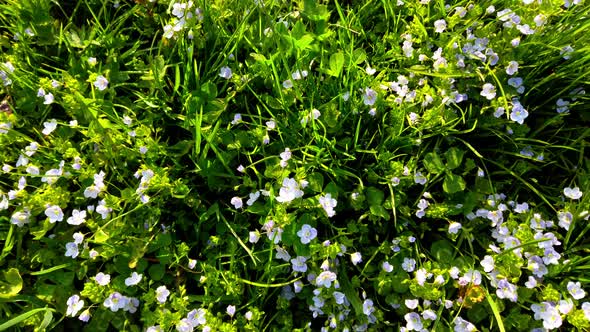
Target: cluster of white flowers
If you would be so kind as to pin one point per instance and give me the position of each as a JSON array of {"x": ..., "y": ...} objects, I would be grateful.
[
  {"x": 184, "y": 15},
  {"x": 93, "y": 190}
]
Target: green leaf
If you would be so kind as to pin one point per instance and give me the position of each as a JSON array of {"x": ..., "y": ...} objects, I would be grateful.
[
  {"x": 374, "y": 196},
  {"x": 359, "y": 56},
  {"x": 336, "y": 64},
  {"x": 47, "y": 318},
  {"x": 443, "y": 251},
  {"x": 453, "y": 183},
  {"x": 316, "y": 181},
  {"x": 379, "y": 211},
  {"x": 100, "y": 236},
  {"x": 209, "y": 90},
  {"x": 304, "y": 42},
  {"x": 12, "y": 284},
  {"x": 454, "y": 157},
  {"x": 157, "y": 271},
  {"x": 433, "y": 163},
  {"x": 22, "y": 317}
]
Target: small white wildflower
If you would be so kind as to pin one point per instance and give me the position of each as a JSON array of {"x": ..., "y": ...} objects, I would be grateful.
[
  {"x": 225, "y": 72},
  {"x": 101, "y": 83}
]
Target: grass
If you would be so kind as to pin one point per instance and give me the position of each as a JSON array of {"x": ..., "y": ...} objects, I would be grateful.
[{"x": 388, "y": 119}]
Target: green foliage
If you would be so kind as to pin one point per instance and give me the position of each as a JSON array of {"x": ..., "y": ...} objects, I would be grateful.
[{"x": 269, "y": 165}]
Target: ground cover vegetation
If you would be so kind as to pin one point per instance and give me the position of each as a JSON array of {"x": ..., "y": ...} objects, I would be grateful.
[{"x": 266, "y": 165}]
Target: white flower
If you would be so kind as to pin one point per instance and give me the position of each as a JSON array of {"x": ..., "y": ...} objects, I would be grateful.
[
  {"x": 285, "y": 156},
  {"x": 575, "y": 290},
  {"x": 540, "y": 20},
  {"x": 134, "y": 279},
  {"x": 237, "y": 202},
  {"x": 20, "y": 218},
  {"x": 387, "y": 267},
  {"x": 49, "y": 126},
  {"x": 488, "y": 91},
  {"x": 225, "y": 72},
  {"x": 419, "y": 178},
  {"x": 289, "y": 191},
  {"x": 101, "y": 83},
  {"x": 328, "y": 204},
  {"x": 368, "y": 307},
  {"x": 572, "y": 193},
  {"x": 77, "y": 218},
  {"x": 299, "y": 74},
  {"x": 369, "y": 97},
  {"x": 5, "y": 127},
  {"x": 307, "y": 233},
  {"x": 197, "y": 317},
  {"x": 253, "y": 237},
  {"x": 287, "y": 84},
  {"x": 346, "y": 96},
  {"x": 488, "y": 263},
  {"x": 512, "y": 68},
  {"x": 518, "y": 114},
  {"x": 162, "y": 294},
  {"x": 325, "y": 279},
  {"x": 52, "y": 175},
  {"x": 462, "y": 325},
  {"x": 102, "y": 279},
  {"x": 54, "y": 213},
  {"x": 440, "y": 25},
  {"x": 103, "y": 210},
  {"x": 454, "y": 227},
  {"x": 84, "y": 316},
  {"x": 409, "y": 264},
  {"x": 231, "y": 310},
  {"x": 252, "y": 198},
  {"x": 72, "y": 250},
  {"x": 192, "y": 263},
  {"x": 413, "y": 322},
  {"x": 298, "y": 264},
  {"x": 356, "y": 258},
  {"x": 566, "y": 52},
  {"x": 74, "y": 305},
  {"x": 48, "y": 98},
  {"x": 116, "y": 301},
  {"x": 92, "y": 61},
  {"x": 78, "y": 238}
]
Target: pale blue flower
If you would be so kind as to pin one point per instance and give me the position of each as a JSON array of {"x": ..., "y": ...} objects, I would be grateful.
[
  {"x": 413, "y": 322},
  {"x": 74, "y": 305},
  {"x": 572, "y": 193},
  {"x": 225, "y": 72},
  {"x": 231, "y": 310},
  {"x": 134, "y": 279},
  {"x": 488, "y": 91},
  {"x": 115, "y": 301},
  {"x": 162, "y": 294},
  {"x": 299, "y": 264},
  {"x": 289, "y": 191},
  {"x": 54, "y": 213},
  {"x": 49, "y": 126},
  {"x": 368, "y": 307},
  {"x": 78, "y": 217},
  {"x": 575, "y": 290},
  {"x": 356, "y": 258},
  {"x": 440, "y": 25},
  {"x": 307, "y": 234},
  {"x": 328, "y": 204},
  {"x": 369, "y": 97},
  {"x": 102, "y": 279},
  {"x": 325, "y": 279},
  {"x": 101, "y": 83}
]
